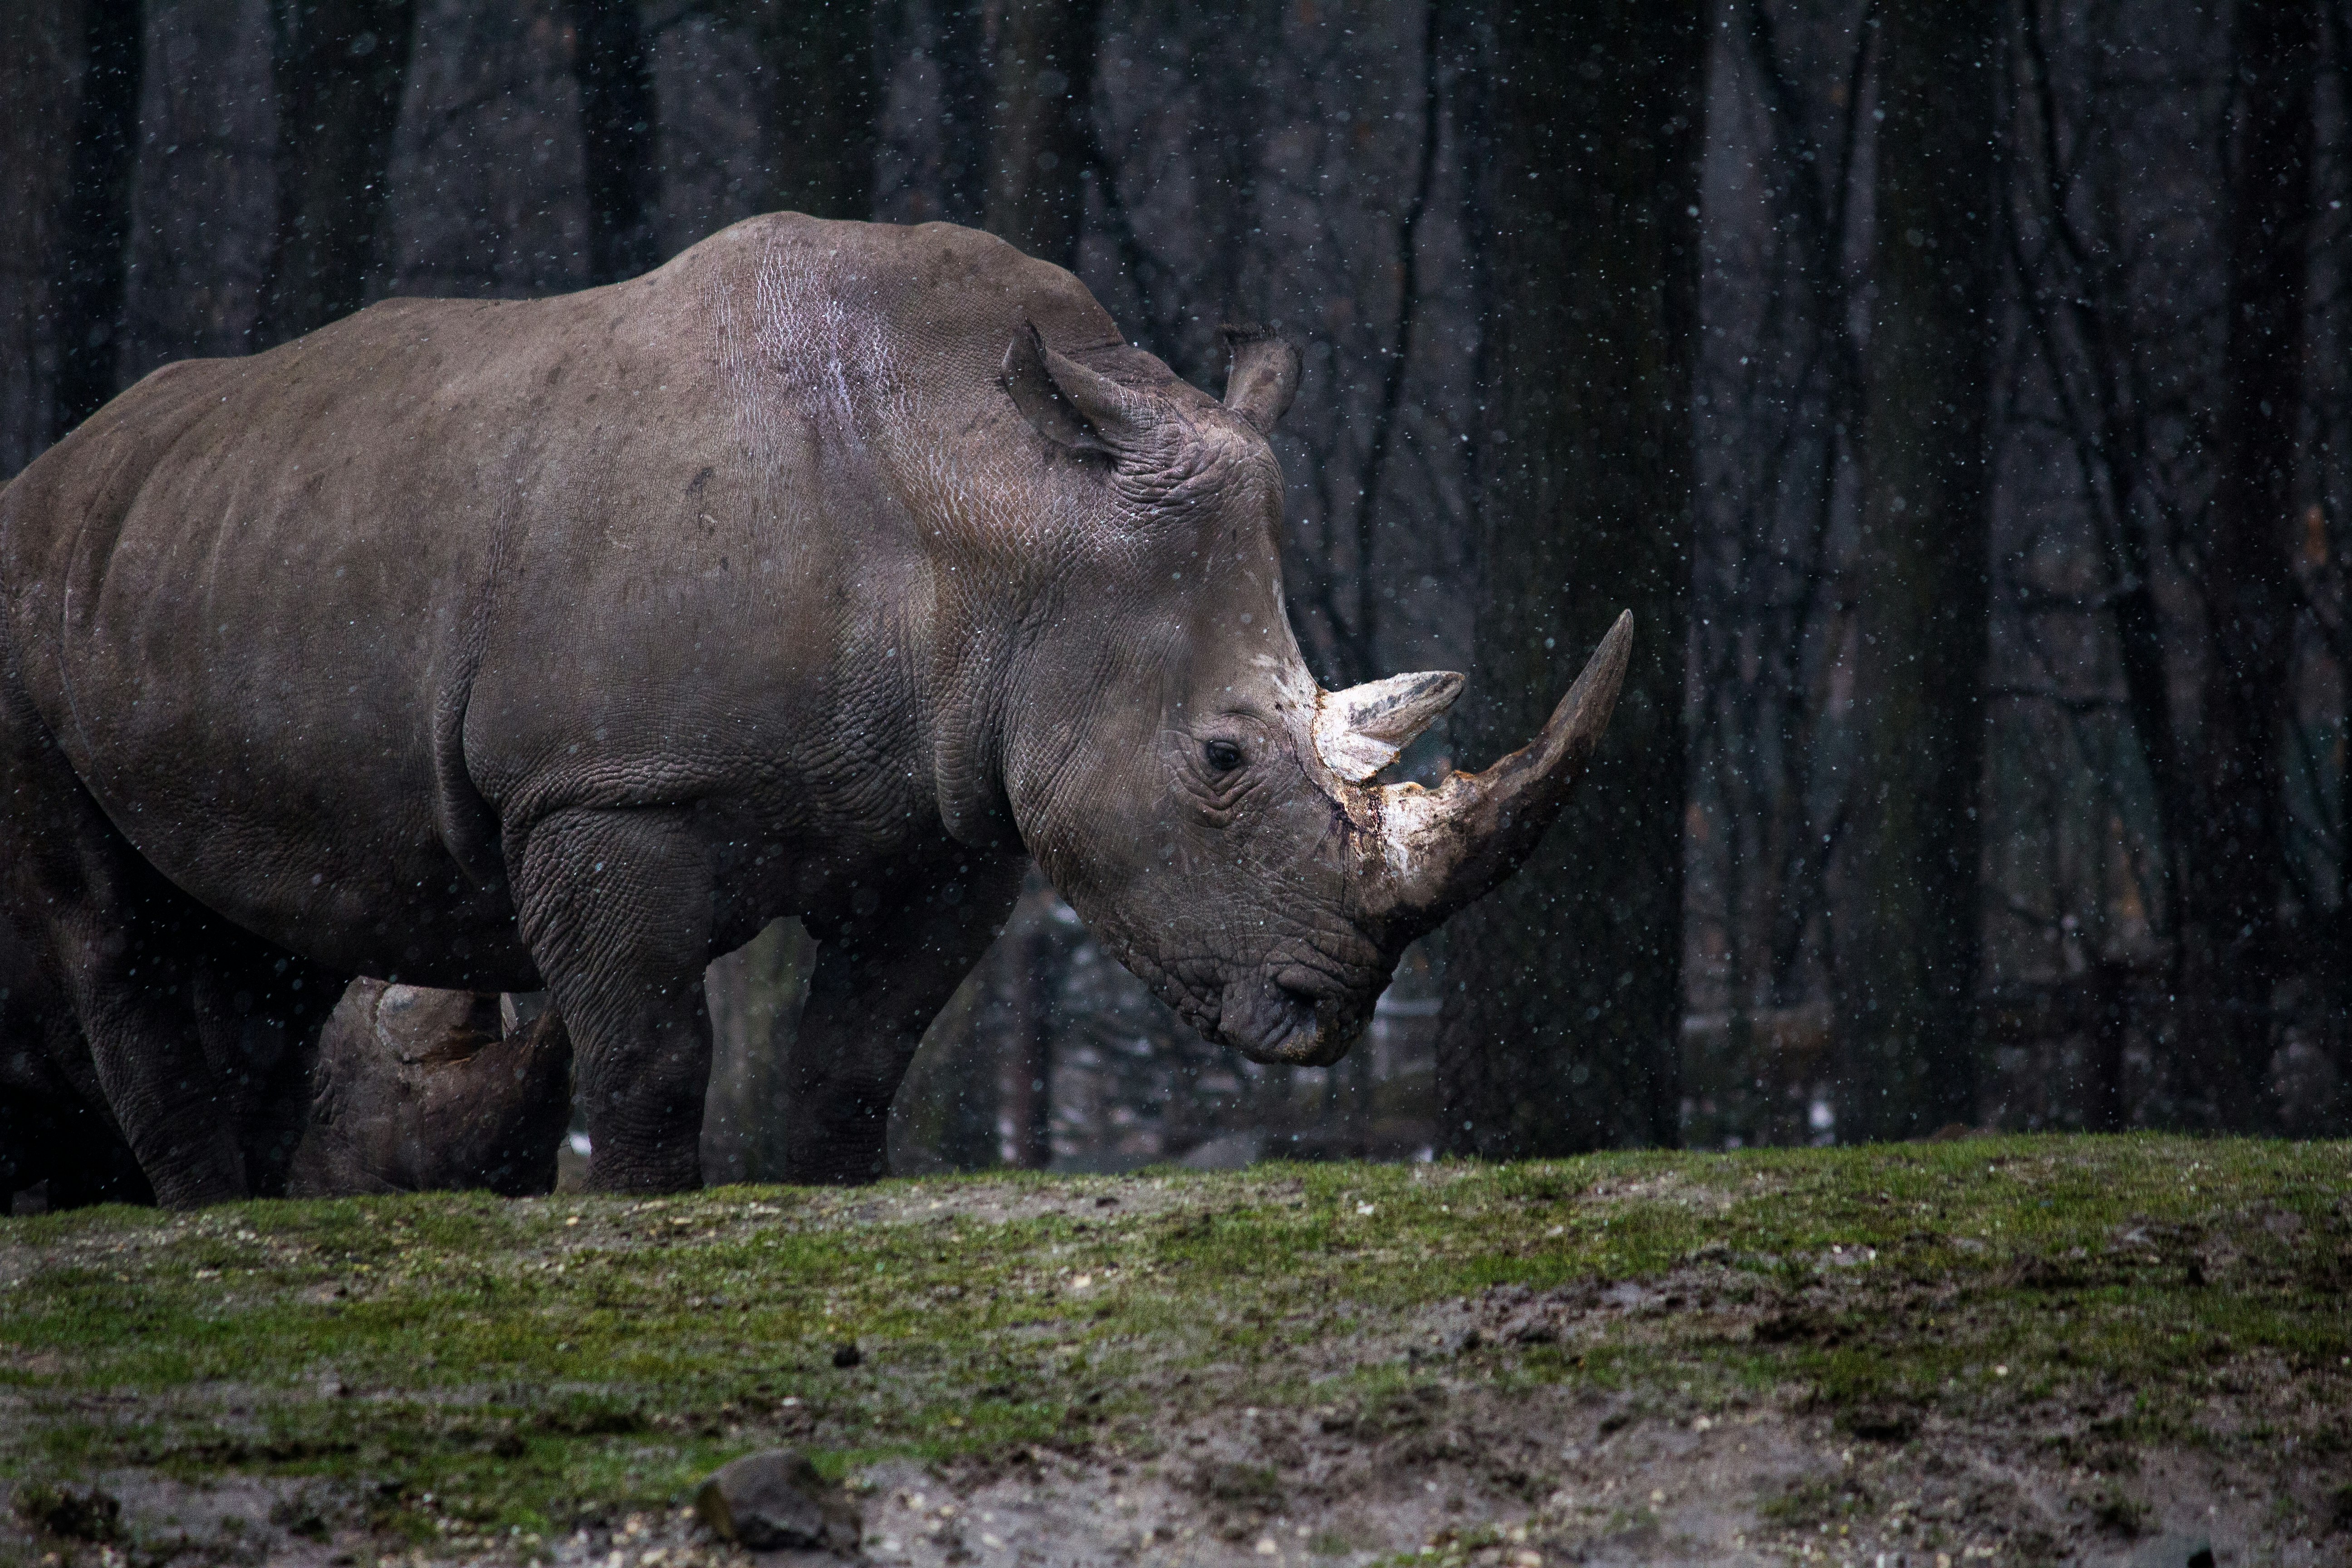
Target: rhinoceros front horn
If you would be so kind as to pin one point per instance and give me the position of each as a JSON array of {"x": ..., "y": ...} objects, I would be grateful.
[{"x": 1439, "y": 849}]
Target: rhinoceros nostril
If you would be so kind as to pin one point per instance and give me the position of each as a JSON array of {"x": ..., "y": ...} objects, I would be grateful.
[{"x": 1296, "y": 980}]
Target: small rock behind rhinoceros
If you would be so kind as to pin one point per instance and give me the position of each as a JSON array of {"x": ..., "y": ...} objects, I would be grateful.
[{"x": 775, "y": 1501}]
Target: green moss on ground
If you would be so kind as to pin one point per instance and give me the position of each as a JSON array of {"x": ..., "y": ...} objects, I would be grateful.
[{"x": 482, "y": 1369}]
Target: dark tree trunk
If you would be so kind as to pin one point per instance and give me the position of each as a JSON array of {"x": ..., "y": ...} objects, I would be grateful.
[
  {"x": 816, "y": 136},
  {"x": 961, "y": 55},
  {"x": 93, "y": 277},
  {"x": 1021, "y": 972},
  {"x": 755, "y": 995},
  {"x": 2238, "y": 869},
  {"x": 616, "y": 133},
  {"x": 1908, "y": 968},
  {"x": 2105, "y": 1109},
  {"x": 2108, "y": 427},
  {"x": 1040, "y": 59},
  {"x": 1356, "y": 637},
  {"x": 38, "y": 47},
  {"x": 1041, "y": 67},
  {"x": 1231, "y": 149},
  {"x": 1564, "y": 996},
  {"x": 339, "y": 67}
]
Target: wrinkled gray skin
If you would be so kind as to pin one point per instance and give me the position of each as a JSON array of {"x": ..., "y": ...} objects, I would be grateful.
[
  {"x": 421, "y": 1090},
  {"x": 826, "y": 571}
]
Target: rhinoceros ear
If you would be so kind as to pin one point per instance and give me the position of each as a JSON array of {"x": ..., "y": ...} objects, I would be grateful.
[
  {"x": 1072, "y": 406},
  {"x": 1263, "y": 376}
]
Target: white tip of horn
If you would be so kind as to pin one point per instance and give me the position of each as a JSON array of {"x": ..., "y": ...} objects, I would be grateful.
[{"x": 1358, "y": 731}]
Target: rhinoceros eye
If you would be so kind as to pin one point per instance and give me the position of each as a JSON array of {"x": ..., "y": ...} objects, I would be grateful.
[{"x": 1223, "y": 756}]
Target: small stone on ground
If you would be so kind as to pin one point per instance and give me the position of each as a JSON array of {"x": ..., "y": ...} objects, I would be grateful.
[{"x": 775, "y": 1501}]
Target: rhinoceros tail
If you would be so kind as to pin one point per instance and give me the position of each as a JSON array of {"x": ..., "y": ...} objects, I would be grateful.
[{"x": 467, "y": 821}]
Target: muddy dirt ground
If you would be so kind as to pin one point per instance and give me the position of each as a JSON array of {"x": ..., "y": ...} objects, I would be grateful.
[{"x": 1686, "y": 1415}]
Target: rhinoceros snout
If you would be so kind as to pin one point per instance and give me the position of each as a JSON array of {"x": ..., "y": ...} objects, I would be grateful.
[{"x": 1288, "y": 1017}]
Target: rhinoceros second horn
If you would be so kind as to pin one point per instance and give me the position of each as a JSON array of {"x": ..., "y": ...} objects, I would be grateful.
[{"x": 1361, "y": 730}]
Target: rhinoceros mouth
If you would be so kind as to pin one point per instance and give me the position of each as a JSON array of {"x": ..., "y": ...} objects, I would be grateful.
[{"x": 1289, "y": 1018}]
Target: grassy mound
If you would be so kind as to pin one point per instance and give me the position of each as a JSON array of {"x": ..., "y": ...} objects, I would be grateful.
[{"x": 2031, "y": 1349}]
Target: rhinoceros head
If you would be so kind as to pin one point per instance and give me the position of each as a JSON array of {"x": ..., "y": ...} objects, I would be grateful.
[{"x": 1212, "y": 813}]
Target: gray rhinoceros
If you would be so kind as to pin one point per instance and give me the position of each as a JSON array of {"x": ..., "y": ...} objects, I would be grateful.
[{"x": 829, "y": 570}]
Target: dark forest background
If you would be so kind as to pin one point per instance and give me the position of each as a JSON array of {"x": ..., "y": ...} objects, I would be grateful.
[{"x": 1958, "y": 394}]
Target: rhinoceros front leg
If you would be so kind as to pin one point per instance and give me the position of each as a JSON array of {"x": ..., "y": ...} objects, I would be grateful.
[
  {"x": 879, "y": 981},
  {"x": 616, "y": 908}
]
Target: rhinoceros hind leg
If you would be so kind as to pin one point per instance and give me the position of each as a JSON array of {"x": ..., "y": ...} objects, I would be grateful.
[
  {"x": 124, "y": 947},
  {"x": 54, "y": 1128},
  {"x": 878, "y": 983},
  {"x": 55, "y": 1139},
  {"x": 616, "y": 908}
]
